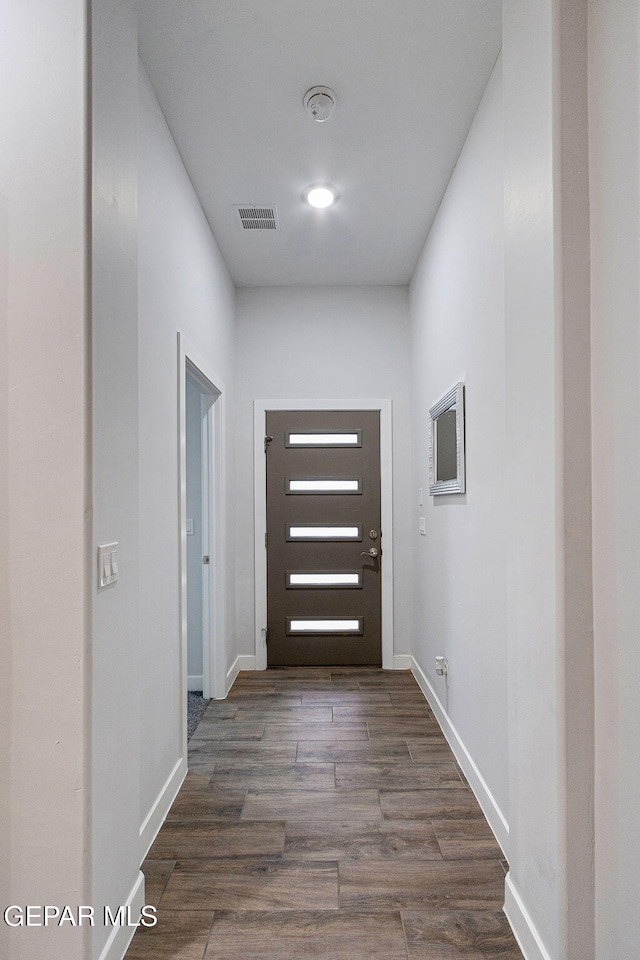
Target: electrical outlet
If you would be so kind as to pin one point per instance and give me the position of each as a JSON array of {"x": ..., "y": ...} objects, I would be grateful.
[{"x": 442, "y": 667}]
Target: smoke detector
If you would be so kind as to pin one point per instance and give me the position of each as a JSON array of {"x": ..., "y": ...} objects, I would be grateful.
[{"x": 319, "y": 102}]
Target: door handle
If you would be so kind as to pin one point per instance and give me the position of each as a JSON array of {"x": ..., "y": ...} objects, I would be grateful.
[{"x": 371, "y": 552}]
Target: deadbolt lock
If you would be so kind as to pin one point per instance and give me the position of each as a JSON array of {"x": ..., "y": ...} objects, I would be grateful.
[{"x": 373, "y": 535}]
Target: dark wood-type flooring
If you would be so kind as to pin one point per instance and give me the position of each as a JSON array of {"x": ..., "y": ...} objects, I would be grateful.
[{"x": 324, "y": 816}]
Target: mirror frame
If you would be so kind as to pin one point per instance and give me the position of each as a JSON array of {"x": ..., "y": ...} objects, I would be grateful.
[{"x": 455, "y": 397}]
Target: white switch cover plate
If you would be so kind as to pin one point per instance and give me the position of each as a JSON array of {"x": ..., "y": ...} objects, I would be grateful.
[
  {"x": 423, "y": 526},
  {"x": 189, "y": 527},
  {"x": 108, "y": 570}
]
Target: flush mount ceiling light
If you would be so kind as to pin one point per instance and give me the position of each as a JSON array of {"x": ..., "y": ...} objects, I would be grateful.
[{"x": 321, "y": 196}]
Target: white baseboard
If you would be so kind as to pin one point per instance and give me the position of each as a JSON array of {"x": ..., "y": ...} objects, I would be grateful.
[
  {"x": 157, "y": 815},
  {"x": 243, "y": 661},
  {"x": 402, "y": 661},
  {"x": 522, "y": 925},
  {"x": 195, "y": 683},
  {"x": 120, "y": 937},
  {"x": 495, "y": 817}
]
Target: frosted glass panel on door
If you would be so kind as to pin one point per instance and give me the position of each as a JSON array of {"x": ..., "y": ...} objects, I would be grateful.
[
  {"x": 323, "y": 486},
  {"x": 328, "y": 625},
  {"x": 324, "y": 439},
  {"x": 321, "y": 531},
  {"x": 323, "y": 579}
]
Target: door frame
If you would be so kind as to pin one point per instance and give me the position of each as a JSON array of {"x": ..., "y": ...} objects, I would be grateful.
[
  {"x": 193, "y": 360},
  {"x": 385, "y": 408}
]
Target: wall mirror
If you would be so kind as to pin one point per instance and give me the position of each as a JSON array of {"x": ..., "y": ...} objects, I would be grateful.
[{"x": 446, "y": 443}]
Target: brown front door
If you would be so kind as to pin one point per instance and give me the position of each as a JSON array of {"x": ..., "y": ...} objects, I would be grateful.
[{"x": 323, "y": 514}]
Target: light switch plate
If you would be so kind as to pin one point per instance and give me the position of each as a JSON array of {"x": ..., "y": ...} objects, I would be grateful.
[
  {"x": 108, "y": 568},
  {"x": 189, "y": 527},
  {"x": 423, "y": 526}
]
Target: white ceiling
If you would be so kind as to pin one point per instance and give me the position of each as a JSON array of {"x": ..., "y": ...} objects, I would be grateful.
[{"x": 230, "y": 76}]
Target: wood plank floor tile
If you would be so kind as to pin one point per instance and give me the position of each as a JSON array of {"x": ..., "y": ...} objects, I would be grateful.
[
  {"x": 305, "y": 935},
  {"x": 376, "y": 674},
  {"x": 316, "y": 674},
  {"x": 197, "y": 799},
  {"x": 391, "y": 678},
  {"x": 259, "y": 776},
  {"x": 407, "y": 695},
  {"x": 407, "y": 729},
  {"x": 200, "y": 763},
  {"x": 220, "y": 710},
  {"x": 251, "y": 885},
  {"x": 247, "y": 697},
  {"x": 332, "y": 697},
  {"x": 326, "y": 732},
  {"x": 178, "y": 935},
  {"x": 254, "y": 750},
  {"x": 308, "y": 686},
  {"x": 381, "y": 711},
  {"x": 227, "y": 730},
  {"x": 156, "y": 875},
  {"x": 399, "y": 885},
  {"x": 354, "y": 840},
  {"x": 193, "y": 839},
  {"x": 345, "y": 751},
  {"x": 312, "y": 805},
  {"x": 241, "y": 690},
  {"x": 429, "y": 804},
  {"x": 251, "y": 714},
  {"x": 428, "y": 750},
  {"x": 464, "y": 935},
  {"x": 465, "y": 839},
  {"x": 398, "y": 776}
]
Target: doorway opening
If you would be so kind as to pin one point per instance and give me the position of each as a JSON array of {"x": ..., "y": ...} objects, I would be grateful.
[
  {"x": 198, "y": 404},
  {"x": 201, "y": 529}
]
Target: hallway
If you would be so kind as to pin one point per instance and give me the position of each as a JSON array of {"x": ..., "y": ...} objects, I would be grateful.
[{"x": 324, "y": 816}]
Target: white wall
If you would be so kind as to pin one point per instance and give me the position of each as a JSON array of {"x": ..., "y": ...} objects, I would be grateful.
[
  {"x": 615, "y": 186},
  {"x": 183, "y": 286},
  {"x": 323, "y": 342},
  {"x": 116, "y": 694},
  {"x": 549, "y": 887},
  {"x": 44, "y": 500},
  {"x": 457, "y": 333},
  {"x": 194, "y": 541}
]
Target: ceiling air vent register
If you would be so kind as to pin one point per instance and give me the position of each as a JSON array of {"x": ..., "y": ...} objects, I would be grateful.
[{"x": 253, "y": 217}]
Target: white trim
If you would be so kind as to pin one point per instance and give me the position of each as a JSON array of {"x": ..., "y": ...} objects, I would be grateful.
[
  {"x": 385, "y": 407},
  {"x": 161, "y": 806},
  {"x": 243, "y": 661},
  {"x": 402, "y": 661},
  {"x": 523, "y": 927},
  {"x": 495, "y": 817},
  {"x": 120, "y": 937},
  {"x": 207, "y": 484},
  {"x": 214, "y": 475},
  {"x": 195, "y": 683}
]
